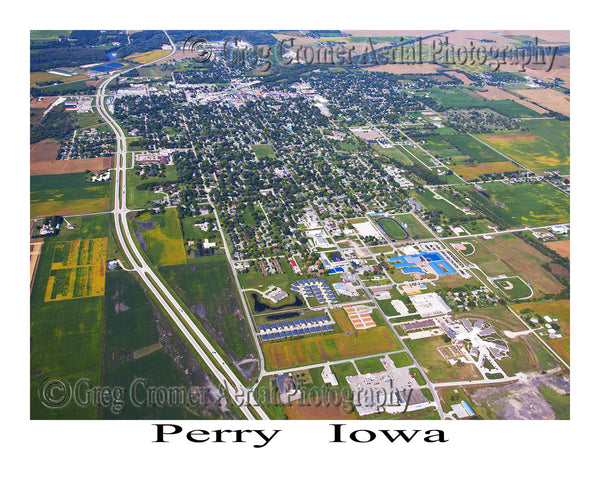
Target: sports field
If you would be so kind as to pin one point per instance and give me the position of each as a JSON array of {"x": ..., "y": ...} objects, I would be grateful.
[
  {"x": 546, "y": 145},
  {"x": 77, "y": 270},
  {"x": 392, "y": 228},
  {"x": 66, "y": 194},
  {"x": 415, "y": 228},
  {"x": 321, "y": 348},
  {"x": 161, "y": 237},
  {"x": 515, "y": 256},
  {"x": 514, "y": 288}
]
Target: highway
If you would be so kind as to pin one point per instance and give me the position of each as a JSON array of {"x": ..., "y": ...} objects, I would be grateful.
[{"x": 154, "y": 284}]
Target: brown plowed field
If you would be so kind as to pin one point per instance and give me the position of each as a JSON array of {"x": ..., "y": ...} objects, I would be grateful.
[{"x": 42, "y": 160}]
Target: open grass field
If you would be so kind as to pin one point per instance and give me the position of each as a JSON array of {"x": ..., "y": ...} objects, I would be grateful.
[
  {"x": 208, "y": 290},
  {"x": 145, "y": 198},
  {"x": 401, "y": 359},
  {"x": 147, "y": 57},
  {"x": 531, "y": 204},
  {"x": 42, "y": 160},
  {"x": 139, "y": 343},
  {"x": 436, "y": 367},
  {"x": 369, "y": 365},
  {"x": 392, "y": 228},
  {"x": 66, "y": 194},
  {"x": 472, "y": 172},
  {"x": 514, "y": 288},
  {"x": 393, "y": 154},
  {"x": 48, "y": 34},
  {"x": 321, "y": 348},
  {"x": 162, "y": 242},
  {"x": 89, "y": 226},
  {"x": 263, "y": 151},
  {"x": 523, "y": 260},
  {"x": 428, "y": 200},
  {"x": 77, "y": 270},
  {"x": 341, "y": 317},
  {"x": 546, "y": 146},
  {"x": 474, "y": 149},
  {"x": 561, "y": 310}
]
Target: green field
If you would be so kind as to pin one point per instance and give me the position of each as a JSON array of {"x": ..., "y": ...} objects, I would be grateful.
[
  {"x": 66, "y": 194},
  {"x": 139, "y": 343},
  {"x": 90, "y": 226},
  {"x": 476, "y": 150},
  {"x": 369, "y": 365},
  {"x": 65, "y": 342},
  {"x": 546, "y": 145},
  {"x": 263, "y": 151},
  {"x": 207, "y": 289},
  {"x": 513, "y": 287},
  {"x": 414, "y": 227},
  {"x": 530, "y": 204},
  {"x": 145, "y": 198},
  {"x": 393, "y": 154},
  {"x": 392, "y": 228},
  {"x": 161, "y": 236},
  {"x": 401, "y": 359},
  {"x": 437, "y": 369},
  {"x": 320, "y": 348}
]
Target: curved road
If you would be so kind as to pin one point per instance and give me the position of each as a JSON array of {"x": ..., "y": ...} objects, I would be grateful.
[{"x": 242, "y": 395}]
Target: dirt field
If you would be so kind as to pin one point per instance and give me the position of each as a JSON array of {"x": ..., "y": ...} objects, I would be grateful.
[
  {"x": 321, "y": 409},
  {"x": 42, "y": 160},
  {"x": 556, "y": 101},
  {"x": 495, "y": 93},
  {"x": 461, "y": 76},
  {"x": 42, "y": 102},
  {"x": 35, "y": 250},
  {"x": 178, "y": 55},
  {"x": 562, "y": 247}
]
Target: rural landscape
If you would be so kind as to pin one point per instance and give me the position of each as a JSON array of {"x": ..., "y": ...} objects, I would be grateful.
[{"x": 299, "y": 225}]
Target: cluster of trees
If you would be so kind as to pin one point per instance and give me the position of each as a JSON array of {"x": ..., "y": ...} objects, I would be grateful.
[{"x": 57, "y": 124}]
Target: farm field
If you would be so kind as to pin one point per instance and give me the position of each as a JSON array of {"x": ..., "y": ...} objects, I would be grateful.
[
  {"x": 139, "y": 343},
  {"x": 545, "y": 147},
  {"x": 77, "y": 270},
  {"x": 474, "y": 149},
  {"x": 472, "y": 172},
  {"x": 548, "y": 98},
  {"x": 531, "y": 204},
  {"x": 66, "y": 194},
  {"x": 66, "y": 341},
  {"x": 39, "y": 77},
  {"x": 321, "y": 348},
  {"x": 562, "y": 247},
  {"x": 208, "y": 290},
  {"x": 147, "y": 57},
  {"x": 42, "y": 160},
  {"x": 160, "y": 237}
]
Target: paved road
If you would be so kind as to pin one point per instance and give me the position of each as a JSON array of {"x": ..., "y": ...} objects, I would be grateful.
[{"x": 154, "y": 284}]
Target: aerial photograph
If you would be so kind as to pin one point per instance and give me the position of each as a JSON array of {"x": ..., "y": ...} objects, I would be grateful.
[{"x": 336, "y": 225}]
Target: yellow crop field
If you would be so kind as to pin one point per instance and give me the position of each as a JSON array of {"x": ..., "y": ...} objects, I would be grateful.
[
  {"x": 147, "y": 57},
  {"x": 78, "y": 270}
]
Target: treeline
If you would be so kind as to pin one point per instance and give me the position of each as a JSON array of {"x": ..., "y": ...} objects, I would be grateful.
[
  {"x": 76, "y": 88},
  {"x": 57, "y": 124}
]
